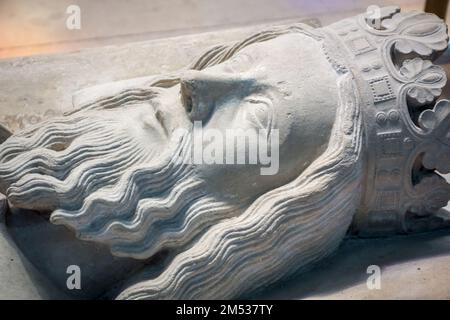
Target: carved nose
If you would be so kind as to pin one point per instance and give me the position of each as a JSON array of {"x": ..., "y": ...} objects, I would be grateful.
[
  {"x": 198, "y": 94},
  {"x": 201, "y": 91}
]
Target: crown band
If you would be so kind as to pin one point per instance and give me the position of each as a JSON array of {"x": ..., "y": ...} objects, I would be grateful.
[{"x": 407, "y": 131}]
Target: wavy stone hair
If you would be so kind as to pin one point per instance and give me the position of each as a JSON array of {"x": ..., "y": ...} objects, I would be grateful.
[{"x": 284, "y": 230}]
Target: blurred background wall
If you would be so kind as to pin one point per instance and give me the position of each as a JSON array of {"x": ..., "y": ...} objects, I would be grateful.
[{"x": 39, "y": 26}]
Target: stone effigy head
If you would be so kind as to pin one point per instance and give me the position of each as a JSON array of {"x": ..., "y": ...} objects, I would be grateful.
[{"x": 253, "y": 162}]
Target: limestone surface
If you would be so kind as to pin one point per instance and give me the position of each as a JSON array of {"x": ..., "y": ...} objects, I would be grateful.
[{"x": 107, "y": 175}]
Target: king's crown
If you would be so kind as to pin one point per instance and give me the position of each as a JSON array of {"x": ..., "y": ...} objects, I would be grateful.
[{"x": 407, "y": 129}]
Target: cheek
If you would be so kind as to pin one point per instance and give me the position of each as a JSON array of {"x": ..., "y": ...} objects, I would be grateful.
[
  {"x": 238, "y": 176},
  {"x": 142, "y": 123}
]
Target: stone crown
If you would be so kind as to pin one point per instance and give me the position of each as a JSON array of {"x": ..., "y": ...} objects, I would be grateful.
[{"x": 407, "y": 129}]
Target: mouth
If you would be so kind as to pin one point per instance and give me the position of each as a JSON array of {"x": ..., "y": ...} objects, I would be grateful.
[
  {"x": 154, "y": 119},
  {"x": 159, "y": 116}
]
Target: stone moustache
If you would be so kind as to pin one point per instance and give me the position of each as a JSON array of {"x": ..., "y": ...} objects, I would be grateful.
[{"x": 361, "y": 141}]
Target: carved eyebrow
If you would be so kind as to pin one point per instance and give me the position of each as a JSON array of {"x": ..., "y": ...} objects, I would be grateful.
[
  {"x": 265, "y": 93},
  {"x": 259, "y": 99}
]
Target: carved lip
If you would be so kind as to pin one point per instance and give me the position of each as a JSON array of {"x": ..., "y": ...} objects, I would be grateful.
[
  {"x": 158, "y": 119},
  {"x": 159, "y": 116}
]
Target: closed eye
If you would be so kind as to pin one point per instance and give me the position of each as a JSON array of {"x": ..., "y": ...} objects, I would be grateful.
[{"x": 259, "y": 112}]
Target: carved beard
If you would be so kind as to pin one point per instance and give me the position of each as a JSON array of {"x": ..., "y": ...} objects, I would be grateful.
[
  {"x": 103, "y": 184},
  {"x": 100, "y": 182},
  {"x": 284, "y": 231}
]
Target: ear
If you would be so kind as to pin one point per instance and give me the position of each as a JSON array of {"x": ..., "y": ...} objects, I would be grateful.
[
  {"x": 4, "y": 133},
  {"x": 115, "y": 94}
]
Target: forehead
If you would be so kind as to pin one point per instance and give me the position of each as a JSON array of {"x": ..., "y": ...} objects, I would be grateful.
[
  {"x": 284, "y": 58},
  {"x": 287, "y": 47}
]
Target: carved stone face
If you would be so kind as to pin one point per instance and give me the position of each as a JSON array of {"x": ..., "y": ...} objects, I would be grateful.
[
  {"x": 113, "y": 174},
  {"x": 116, "y": 171},
  {"x": 264, "y": 86}
]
